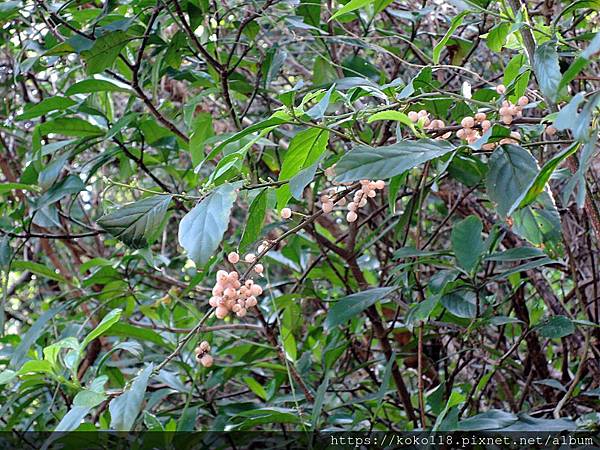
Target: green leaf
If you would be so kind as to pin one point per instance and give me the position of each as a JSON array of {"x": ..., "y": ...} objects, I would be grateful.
[
  {"x": 467, "y": 242},
  {"x": 7, "y": 376},
  {"x": 7, "y": 187},
  {"x": 72, "y": 419},
  {"x": 104, "y": 51},
  {"x": 70, "y": 126},
  {"x": 364, "y": 162},
  {"x": 397, "y": 116},
  {"x": 256, "y": 217},
  {"x": 460, "y": 303},
  {"x": 497, "y": 36},
  {"x": 125, "y": 408},
  {"x": 261, "y": 416},
  {"x": 352, "y": 5},
  {"x": 512, "y": 169},
  {"x": 352, "y": 305},
  {"x": 547, "y": 69},
  {"x": 93, "y": 85},
  {"x": 557, "y": 327},
  {"x": 108, "y": 321},
  {"x": 318, "y": 111},
  {"x": 304, "y": 150},
  {"x": 203, "y": 130},
  {"x": 516, "y": 254},
  {"x": 456, "y": 21},
  {"x": 38, "y": 269},
  {"x": 137, "y": 224},
  {"x": 202, "y": 229},
  {"x": 33, "y": 110},
  {"x": 256, "y": 387},
  {"x": 539, "y": 182}
]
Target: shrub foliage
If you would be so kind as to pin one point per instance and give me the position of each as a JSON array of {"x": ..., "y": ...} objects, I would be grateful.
[{"x": 366, "y": 214}]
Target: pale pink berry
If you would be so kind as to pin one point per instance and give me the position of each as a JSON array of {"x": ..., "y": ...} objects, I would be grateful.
[
  {"x": 233, "y": 258},
  {"x": 550, "y": 130},
  {"x": 352, "y": 206},
  {"x": 467, "y": 122},
  {"x": 371, "y": 194},
  {"x": 500, "y": 89},
  {"x": 342, "y": 201},
  {"x": 505, "y": 110},
  {"x": 379, "y": 184},
  {"x": 507, "y": 119},
  {"x": 250, "y": 257},
  {"x": 217, "y": 290},
  {"x": 214, "y": 301},
  {"x": 259, "y": 268},
  {"x": 286, "y": 213},
  {"x": 423, "y": 113},
  {"x": 461, "y": 133},
  {"x": 523, "y": 101},
  {"x": 241, "y": 312},
  {"x": 249, "y": 283},
  {"x": 251, "y": 302},
  {"x": 230, "y": 293},
  {"x": 486, "y": 125},
  {"x": 222, "y": 276},
  {"x": 206, "y": 360},
  {"x": 363, "y": 202},
  {"x": 327, "y": 207},
  {"x": 413, "y": 116},
  {"x": 351, "y": 216},
  {"x": 262, "y": 247},
  {"x": 233, "y": 275},
  {"x": 221, "y": 312},
  {"x": 205, "y": 346},
  {"x": 480, "y": 117},
  {"x": 256, "y": 290},
  {"x": 235, "y": 308}
]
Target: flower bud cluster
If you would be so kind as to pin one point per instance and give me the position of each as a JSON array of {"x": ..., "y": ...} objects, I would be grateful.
[{"x": 203, "y": 354}]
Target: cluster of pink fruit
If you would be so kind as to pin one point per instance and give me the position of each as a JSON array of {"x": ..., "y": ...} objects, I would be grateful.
[
  {"x": 429, "y": 124},
  {"x": 230, "y": 295},
  {"x": 368, "y": 189},
  {"x": 203, "y": 355}
]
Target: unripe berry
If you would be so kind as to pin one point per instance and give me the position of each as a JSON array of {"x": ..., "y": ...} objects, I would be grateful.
[
  {"x": 523, "y": 101},
  {"x": 500, "y": 89},
  {"x": 351, "y": 216},
  {"x": 467, "y": 122},
  {"x": 206, "y": 360},
  {"x": 286, "y": 213},
  {"x": 259, "y": 268},
  {"x": 413, "y": 116},
  {"x": 221, "y": 312},
  {"x": 480, "y": 117},
  {"x": 233, "y": 258},
  {"x": 327, "y": 207},
  {"x": 250, "y": 257}
]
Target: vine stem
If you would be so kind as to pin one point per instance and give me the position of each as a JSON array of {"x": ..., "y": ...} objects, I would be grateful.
[{"x": 188, "y": 337}]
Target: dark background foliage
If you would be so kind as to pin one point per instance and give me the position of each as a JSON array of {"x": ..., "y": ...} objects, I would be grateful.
[{"x": 143, "y": 141}]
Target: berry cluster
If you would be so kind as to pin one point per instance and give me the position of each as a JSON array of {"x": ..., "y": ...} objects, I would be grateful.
[
  {"x": 468, "y": 131},
  {"x": 327, "y": 201},
  {"x": 203, "y": 355},
  {"x": 230, "y": 295},
  {"x": 429, "y": 124},
  {"x": 368, "y": 189}
]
